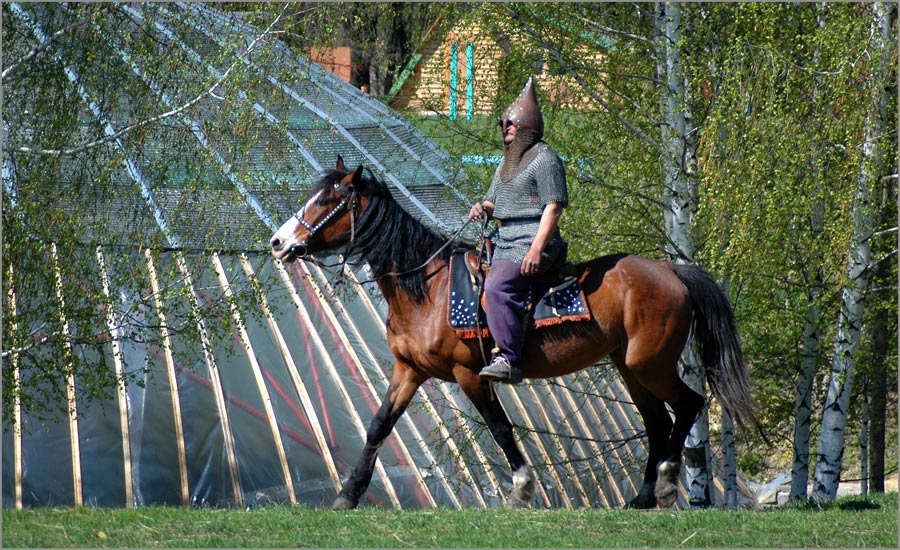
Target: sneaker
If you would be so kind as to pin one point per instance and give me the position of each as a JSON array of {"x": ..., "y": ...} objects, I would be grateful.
[{"x": 500, "y": 370}]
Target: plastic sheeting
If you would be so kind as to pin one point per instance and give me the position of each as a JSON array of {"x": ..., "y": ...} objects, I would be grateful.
[{"x": 275, "y": 410}]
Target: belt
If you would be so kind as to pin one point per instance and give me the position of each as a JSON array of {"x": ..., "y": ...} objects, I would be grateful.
[{"x": 515, "y": 221}]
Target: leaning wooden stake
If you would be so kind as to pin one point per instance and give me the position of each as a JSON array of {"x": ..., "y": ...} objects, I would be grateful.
[
  {"x": 218, "y": 391},
  {"x": 173, "y": 382},
  {"x": 17, "y": 401},
  {"x": 121, "y": 394},
  {"x": 258, "y": 377},
  {"x": 333, "y": 373},
  {"x": 70, "y": 383},
  {"x": 299, "y": 385},
  {"x": 401, "y": 447}
]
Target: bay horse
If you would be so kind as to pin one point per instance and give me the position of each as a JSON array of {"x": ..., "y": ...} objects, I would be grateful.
[{"x": 642, "y": 314}]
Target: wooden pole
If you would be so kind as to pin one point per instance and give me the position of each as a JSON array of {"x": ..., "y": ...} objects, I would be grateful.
[
  {"x": 339, "y": 383},
  {"x": 173, "y": 382},
  {"x": 214, "y": 377},
  {"x": 121, "y": 394},
  {"x": 258, "y": 377},
  {"x": 299, "y": 385},
  {"x": 17, "y": 402},
  {"x": 75, "y": 447}
]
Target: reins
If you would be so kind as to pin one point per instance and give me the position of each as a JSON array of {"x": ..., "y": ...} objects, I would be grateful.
[{"x": 424, "y": 264}]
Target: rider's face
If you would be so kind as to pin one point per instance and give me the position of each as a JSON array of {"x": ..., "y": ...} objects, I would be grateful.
[{"x": 509, "y": 131}]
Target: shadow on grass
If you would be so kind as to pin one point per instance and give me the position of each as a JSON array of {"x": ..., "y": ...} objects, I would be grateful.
[{"x": 848, "y": 504}]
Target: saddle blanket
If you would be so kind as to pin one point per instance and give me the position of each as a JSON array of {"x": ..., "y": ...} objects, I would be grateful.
[{"x": 559, "y": 303}]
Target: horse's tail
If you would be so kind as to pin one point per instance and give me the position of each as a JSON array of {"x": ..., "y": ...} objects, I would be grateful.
[{"x": 716, "y": 341}]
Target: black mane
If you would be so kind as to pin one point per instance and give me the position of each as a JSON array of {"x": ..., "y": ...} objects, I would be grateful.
[{"x": 392, "y": 240}]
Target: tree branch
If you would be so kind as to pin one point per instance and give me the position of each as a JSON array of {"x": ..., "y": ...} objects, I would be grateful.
[
  {"x": 578, "y": 80},
  {"x": 43, "y": 46},
  {"x": 211, "y": 92}
]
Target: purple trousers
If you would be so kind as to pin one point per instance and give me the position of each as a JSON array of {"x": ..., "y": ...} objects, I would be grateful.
[{"x": 506, "y": 294}]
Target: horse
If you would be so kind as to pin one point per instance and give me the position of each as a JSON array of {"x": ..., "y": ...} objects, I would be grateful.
[{"x": 642, "y": 315}]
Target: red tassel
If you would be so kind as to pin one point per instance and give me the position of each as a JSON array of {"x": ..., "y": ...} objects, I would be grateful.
[
  {"x": 465, "y": 334},
  {"x": 550, "y": 321}
]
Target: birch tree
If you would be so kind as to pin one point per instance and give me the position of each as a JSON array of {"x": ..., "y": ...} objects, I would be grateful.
[
  {"x": 844, "y": 360},
  {"x": 86, "y": 91},
  {"x": 809, "y": 353},
  {"x": 678, "y": 160}
]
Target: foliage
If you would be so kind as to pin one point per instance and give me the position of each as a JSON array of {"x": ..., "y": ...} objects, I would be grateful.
[
  {"x": 383, "y": 36},
  {"x": 66, "y": 210},
  {"x": 778, "y": 94}
]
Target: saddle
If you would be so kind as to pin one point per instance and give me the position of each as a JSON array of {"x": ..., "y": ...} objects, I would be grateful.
[{"x": 556, "y": 296}]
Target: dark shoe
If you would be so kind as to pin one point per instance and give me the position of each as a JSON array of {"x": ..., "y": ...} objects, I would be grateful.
[{"x": 500, "y": 370}]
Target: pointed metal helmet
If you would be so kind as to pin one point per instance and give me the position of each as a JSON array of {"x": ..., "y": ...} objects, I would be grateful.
[{"x": 524, "y": 112}]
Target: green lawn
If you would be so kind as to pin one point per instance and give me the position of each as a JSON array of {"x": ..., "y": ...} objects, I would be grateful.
[{"x": 848, "y": 523}]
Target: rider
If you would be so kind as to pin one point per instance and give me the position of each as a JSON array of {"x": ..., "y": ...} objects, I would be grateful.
[{"x": 526, "y": 198}]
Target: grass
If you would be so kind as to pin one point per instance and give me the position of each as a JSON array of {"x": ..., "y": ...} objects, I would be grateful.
[{"x": 850, "y": 522}]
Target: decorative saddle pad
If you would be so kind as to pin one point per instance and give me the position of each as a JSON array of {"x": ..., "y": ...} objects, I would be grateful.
[{"x": 561, "y": 302}]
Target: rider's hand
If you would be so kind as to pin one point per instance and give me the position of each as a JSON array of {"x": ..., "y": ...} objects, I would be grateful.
[
  {"x": 532, "y": 262},
  {"x": 477, "y": 212}
]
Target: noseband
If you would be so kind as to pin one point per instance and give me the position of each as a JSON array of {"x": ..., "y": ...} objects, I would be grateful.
[{"x": 351, "y": 199}]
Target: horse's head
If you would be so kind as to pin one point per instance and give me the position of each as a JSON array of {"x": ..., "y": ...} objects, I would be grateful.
[{"x": 327, "y": 219}]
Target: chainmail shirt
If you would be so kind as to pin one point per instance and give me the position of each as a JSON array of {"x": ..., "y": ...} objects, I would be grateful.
[{"x": 520, "y": 201}]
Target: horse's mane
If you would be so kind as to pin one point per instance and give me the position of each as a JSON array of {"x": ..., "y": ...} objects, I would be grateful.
[{"x": 390, "y": 239}]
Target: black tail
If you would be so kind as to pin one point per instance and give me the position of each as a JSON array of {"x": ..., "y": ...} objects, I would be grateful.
[{"x": 716, "y": 341}]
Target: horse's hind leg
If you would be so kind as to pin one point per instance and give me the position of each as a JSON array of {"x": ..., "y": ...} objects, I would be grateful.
[
  {"x": 686, "y": 405},
  {"x": 404, "y": 383},
  {"x": 658, "y": 425},
  {"x": 481, "y": 395}
]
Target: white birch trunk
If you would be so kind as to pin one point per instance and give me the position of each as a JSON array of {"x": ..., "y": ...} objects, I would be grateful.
[
  {"x": 834, "y": 419},
  {"x": 803, "y": 398},
  {"x": 729, "y": 461},
  {"x": 679, "y": 187},
  {"x": 864, "y": 442},
  {"x": 809, "y": 352}
]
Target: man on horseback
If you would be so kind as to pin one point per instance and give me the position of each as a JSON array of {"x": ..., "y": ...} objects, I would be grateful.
[{"x": 526, "y": 198}]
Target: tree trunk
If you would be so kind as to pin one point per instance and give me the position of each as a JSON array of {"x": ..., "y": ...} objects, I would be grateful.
[
  {"x": 678, "y": 142},
  {"x": 881, "y": 331},
  {"x": 843, "y": 363},
  {"x": 809, "y": 352},
  {"x": 729, "y": 461},
  {"x": 808, "y": 360},
  {"x": 878, "y": 397}
]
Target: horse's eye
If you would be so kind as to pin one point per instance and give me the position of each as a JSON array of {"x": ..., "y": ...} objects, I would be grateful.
[{"x": 337, "y": 186}]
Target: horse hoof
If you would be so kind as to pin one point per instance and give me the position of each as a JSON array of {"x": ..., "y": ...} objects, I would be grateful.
[
  {"x": 523, "y": 488},
  {"x": 514, "y": 502},
  {"x": 343, "y": 503},
  {"x": 641, "y": 503},
  {"x": 667, "y": 485}
]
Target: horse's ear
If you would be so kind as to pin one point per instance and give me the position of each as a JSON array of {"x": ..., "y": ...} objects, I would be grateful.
[
  {"x": 340, "y": 165},
  {"x": 357, "y": 176}
]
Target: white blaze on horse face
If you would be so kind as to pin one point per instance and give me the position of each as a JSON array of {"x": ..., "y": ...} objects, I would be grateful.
[{"x": 286, "y": 236}]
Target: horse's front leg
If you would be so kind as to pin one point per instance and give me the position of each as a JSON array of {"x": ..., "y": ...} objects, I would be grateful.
[
  {"x": 481, "y": 394},
  {"x": 404, "y": 383}
]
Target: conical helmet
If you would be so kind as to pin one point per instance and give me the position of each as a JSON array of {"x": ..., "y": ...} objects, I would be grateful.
[
  {"x": 525, "y": 115},
  {"x": 524, "y": 112}
]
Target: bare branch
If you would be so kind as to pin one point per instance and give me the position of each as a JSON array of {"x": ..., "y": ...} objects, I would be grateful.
[{"x": 609, "y": 30}]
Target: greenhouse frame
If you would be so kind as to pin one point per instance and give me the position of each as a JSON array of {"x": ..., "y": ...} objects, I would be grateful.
[{"x": 277, "y": 410}]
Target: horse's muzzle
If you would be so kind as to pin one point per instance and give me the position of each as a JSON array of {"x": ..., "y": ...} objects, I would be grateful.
[{"x": 298, "y": 250}]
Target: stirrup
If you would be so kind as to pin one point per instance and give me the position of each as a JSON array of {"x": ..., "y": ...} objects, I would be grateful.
[{"x": 501, "y": 370}]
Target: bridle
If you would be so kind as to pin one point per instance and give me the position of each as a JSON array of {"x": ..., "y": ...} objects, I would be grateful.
[{"x": 351, "y": 199}]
